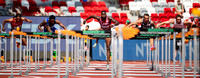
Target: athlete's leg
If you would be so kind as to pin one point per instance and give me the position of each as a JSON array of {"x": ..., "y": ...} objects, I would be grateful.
[
  {"x": 151, "y": 42},
  {"x": 48, "y": 29},
  {"x": 108, "y": 43},
  {"x": 24, "y": 41},
  {"x": 95, "y": 44}
]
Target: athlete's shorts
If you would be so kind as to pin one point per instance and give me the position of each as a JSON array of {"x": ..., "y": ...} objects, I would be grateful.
[{"x": 52, "y": 29}]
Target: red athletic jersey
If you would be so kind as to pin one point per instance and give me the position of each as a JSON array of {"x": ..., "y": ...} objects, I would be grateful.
[
  {"x": 105, "y": 24},
  {"x": 14, "y": 23}
]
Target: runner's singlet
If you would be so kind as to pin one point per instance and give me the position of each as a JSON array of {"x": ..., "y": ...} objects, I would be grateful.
[
  {"x": 14, "y": 23},
  {"x": 105, "y": 24}
]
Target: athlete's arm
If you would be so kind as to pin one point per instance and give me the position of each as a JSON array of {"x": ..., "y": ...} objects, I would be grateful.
[
  {"x": 42, "y": 24},
  {"x": 27, "y": 20},
  {"x": 92, "y": 16},
  {"x": 166, "y": 22},
  {"x": 59, "y": 23},
  {"x": 6, "y": 21},
  {"x": 187, "y": 23},
  {"x": 152, "y": 24},
  {"x": 115, "y": 21},
  {"x": 135, "y": 23}
]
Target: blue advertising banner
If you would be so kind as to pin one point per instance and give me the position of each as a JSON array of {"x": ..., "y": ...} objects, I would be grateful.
[
  {"x": 72, "y": 23},
  {"x": 133, "y": 50}
]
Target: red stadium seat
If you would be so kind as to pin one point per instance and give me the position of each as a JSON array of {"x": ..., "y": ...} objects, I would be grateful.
[
  {"x": 72, "y": 9},
  {"x": 190, "y": 11},
  {"x": 88, "y": 9},
  {"x": 123, "y": 16},
  {"x": 84, "y": 15},
  {"x": 63, "y": 3},
  {"x": 32, "y": 3},
  {"x": 104, "y": 9},
  {"x": 196, "y": 5},
  {"x": 173, "y": 10},
  {"x": 2, "y": 3},
  {"x": 170, "y": 1},
  {"x": 16, "y": 3},
  {"x": 56, "y": 7},
  {"x": 97, "y": 10},
  {"x": 25, "y": 11},
  {"x": 175, "y": 15},
  {"x": 94, "y": 4},
  {"x": 162, "y": 17},
  {"x": 48, "y": 8},
  {"x": 167, "y": 11},
  {"x": 55, "y": 3},
  {"x": 153, "y": 0},
  {"x": 33, "y": 9},
  {"x": 115, "y": 15},
  {"x": 86, "y": 4},
  {"x": 154, "y": 17},
  {"x": 170, "y": 16},
  {"x": 102, "y": 4}
]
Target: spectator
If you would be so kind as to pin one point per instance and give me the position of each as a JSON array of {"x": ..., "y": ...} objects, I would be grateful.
[{"x": 179, "y": 9}]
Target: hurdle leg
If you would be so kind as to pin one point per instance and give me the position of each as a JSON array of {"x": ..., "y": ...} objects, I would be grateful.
[
  {"x": 72, "y": 40},
  {"x": 44, "y": 54},
  {"x": 27, "y": 55},
  {"x": 88, "y": 52},
  {"x": 11, "y": 54},
  {"x": 180, "y": 50},
  {"x": 59, "y": 38},
  {"x": 190, "y": 55},
  {"x": 20, "y": 55},
  {"x": 51, "y": 54},
  {"x": 30, "y": 53},
  {"x": 15, "y": 55},
  {"x": 195, "y": 53},
  {"x": 174, "y": 50},
  {"x": 114, "y": 54},
  {"x": 147, "y": 54},
  {"x": 183, "y": 53},
  {"x": 78, "y": 58},
  {"x": 112, "y": 60},
  {"x": 56, "y": 54},
  {"x": 155, "y": 55},
  {"x": 121, "y": 54},
  {"x": 165, "y": 56},
  {"x": 158, "y": 48},
  {"x": 36, "y": 54},
  {"x": 67, "y": 56},
  {"x": 5, "y": 53},
  {"x": 169, "y": 56},
  {"x": 198, "y": 69},
  {"x": 81, "y": 54},
  {"x": 162, "y": 56},
  {"x": 75, "y": 56}
]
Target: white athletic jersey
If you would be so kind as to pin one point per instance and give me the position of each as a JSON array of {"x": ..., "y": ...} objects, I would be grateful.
[
  {"x": 191, "y": 21},
  {"x": 179, "y": 26}
]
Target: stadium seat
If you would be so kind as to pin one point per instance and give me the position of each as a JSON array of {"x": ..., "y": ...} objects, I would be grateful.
[
  {"x": 115, "y": 15},
  {"x": 86, "y": 4},
  {"x": 33, "y": 9},
  {"x": 171, "y": 4},
  {"x": 112, "y": 9},
  {"x": 145, "y": 0},
  {"x": 72, "y": 9},
  {"x": 83, "y": 15},
  {"x": 48, "y": 3},
  {"x": 70, "y": 3},
  {"x": 63, "y": 3},
  {"x": 88, "y": 9},
  {"x": 162, "y": 1},
  {"x": 196, "y": 1},
  {"x": 40, "y": 3},
  {"x": 170, "y": 1},
  {"x": 133, "y": 6},
  {"x": 143, "y": 11},
  {"x": 32, "y": 3},
  {"x": 104, "y": 9},
  {"x": 64, "y": 9},
  {"x": 186, "y": 16},
  {"x": 76, "y": 14},
  {"x": 167, "y": 11},
  {"x": 52, "y": 13},
  {"x": 187, "y": 0},
  {"x": 25, "y": 11},
  {"x": 9, "y": 3},
  {"x": 55, "y": 3},
  {"x": 80, "y": 9},
  {"x": 170, "y": 16},
  {"x": 78, "y": 4},
  {"x": 67, "y": 14},
  {"x": 153, "y": 0},
  {"x": 97, "y": 10},
  {"x": 190, "y": 10},
  {"x": 109, "y": 14},
  {"x": 48, "y": 8},
  {"x": 159, "y": 10},
  {"x": 196, "y": 5},
  {"x": 123, "y": 17},
  {"x": 102, "y": 4},
  {"x": 162, "y": 17},
  {"x": 151, "y": 10},
  {"x": 94, "y": 4},
  {"x": 2, "y": 3},
  {"x": 25, "y": 3},
  {"x": 154, "y": 17},
  {"x": 187, "y": 6},
  {"x": 163, "y": 4},
  {"x": 16, "y": 3},
  {"x": 155, "y": 4}
]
